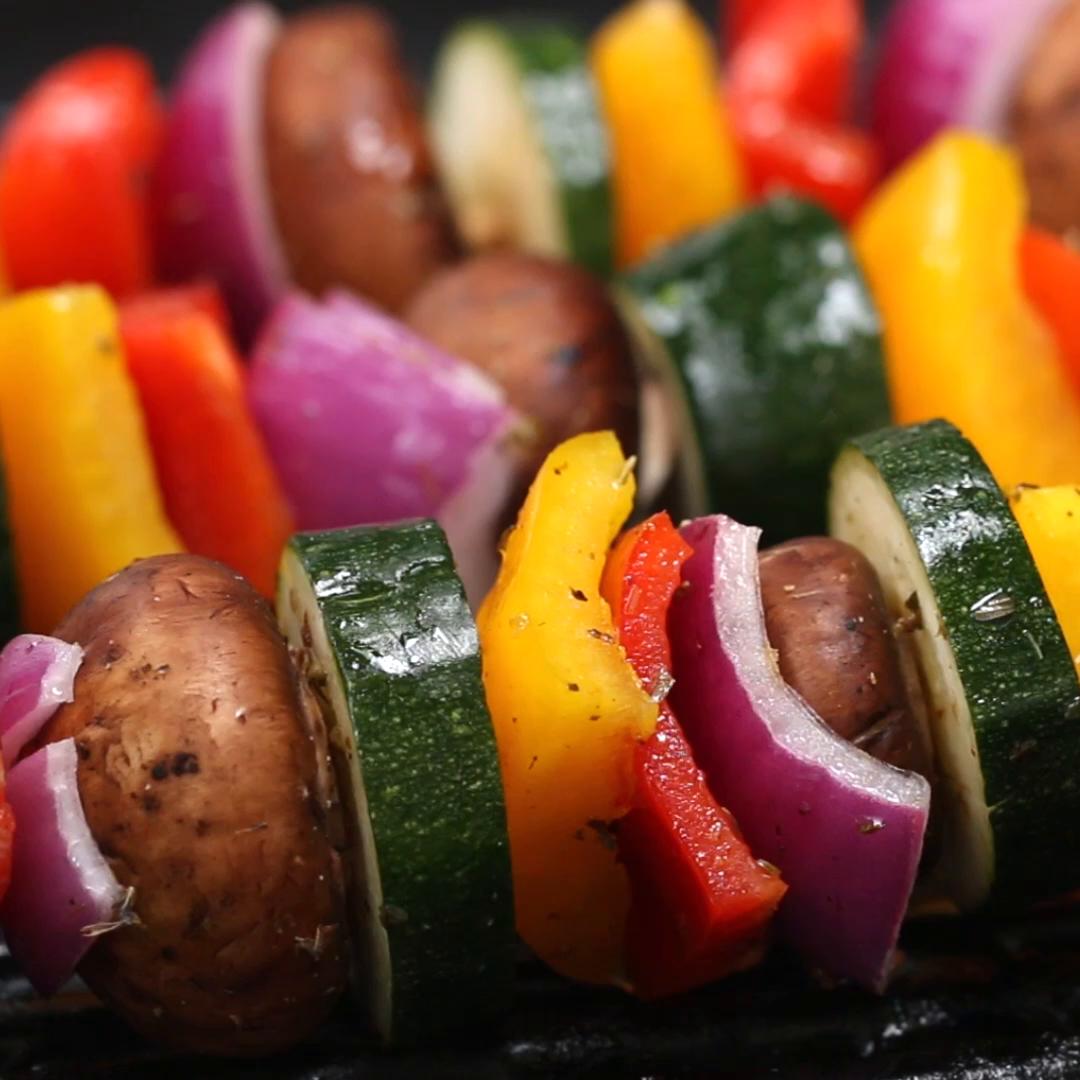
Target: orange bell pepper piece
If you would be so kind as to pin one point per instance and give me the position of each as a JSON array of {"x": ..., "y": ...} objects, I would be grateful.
[
  {"x": 676, "y": 165},
  {"x": 82, "y": 496},
  {"x": 939, "y": 245},
  {"x": 1050, "y": 270},
  {"x": 567, "y": 710},
  {"x": 220, "y": 488}
]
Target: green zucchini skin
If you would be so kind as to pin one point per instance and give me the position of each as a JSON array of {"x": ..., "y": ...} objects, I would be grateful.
[
  {"x": 1016, "y": 671},
  {"x": 776, "y": 338},
  {"x": 408, "y": 657},
  {"x": 560, "y": 92}
]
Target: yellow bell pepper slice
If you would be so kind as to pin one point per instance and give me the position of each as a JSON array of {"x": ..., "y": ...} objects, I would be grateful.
[
  {"x": 567, "y": 709},
  {"x": 82, "y": 494},
  {"x": 676, "y": 164},
  {"x": 939, "y": 245},
  {"x": 1050, "y": 520}
]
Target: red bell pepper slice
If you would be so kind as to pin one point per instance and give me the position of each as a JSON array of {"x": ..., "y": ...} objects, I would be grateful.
[
  {"x": 1050, "y": 271},
  {"x": 836, "y": 166},
  {"x": 798, "y": 55},
  {"x": 701, "y": 903},
  {"x": 74, "y": 162},
  {"x": 790, "y": 76},
  {"x": 220, "y": 489},
  {"x": 156, "y": 304}
]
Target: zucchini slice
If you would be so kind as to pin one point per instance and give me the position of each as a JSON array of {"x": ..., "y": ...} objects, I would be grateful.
[
  {"x": 776, "y": 340},
  {"x": 522, "y": 149},
  {"x": 377, "y": 621},
  {"x": 992, "y": 666}
]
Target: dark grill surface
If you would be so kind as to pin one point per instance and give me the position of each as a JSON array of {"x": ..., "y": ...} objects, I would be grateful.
[{"x": 972, "y": 1001}]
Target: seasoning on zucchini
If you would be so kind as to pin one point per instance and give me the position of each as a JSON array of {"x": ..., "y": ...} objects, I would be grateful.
[
  {"x": 520, "y": 142},
  {"x": 991, "y": 663},
  {"x": 378, "y": 624},
  {"x": 776, "y": 339}
]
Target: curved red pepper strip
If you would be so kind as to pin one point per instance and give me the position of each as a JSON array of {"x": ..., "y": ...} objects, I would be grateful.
[{"x": 701, "y": 903}]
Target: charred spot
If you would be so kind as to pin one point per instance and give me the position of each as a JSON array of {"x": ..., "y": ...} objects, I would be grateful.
[
  {"x": 112, "y": 653},
  {"x": 577, "y": 594},
  {"x": 151, "y": 803},
  {"x": 605, "y": 832},
  {"x": 139, "y": 674},
  {"x": 569, "y": 355},
  {"x": 160, "y": 770},
  {"x": 573, "y": 687},
  {"x": 202, "y": 827},
  {"x": 198, "y": 913},
  {"x": 168, "y": 953},
  {"x": 184, "y": 764}
]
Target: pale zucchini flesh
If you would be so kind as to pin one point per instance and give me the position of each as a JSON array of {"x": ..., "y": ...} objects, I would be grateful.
[
  {"x": 378, "y": 624},
  {"x": 988, "y": 657},
  {"x": 521, "y": 149},
  {"x": 301, "y": 623}
]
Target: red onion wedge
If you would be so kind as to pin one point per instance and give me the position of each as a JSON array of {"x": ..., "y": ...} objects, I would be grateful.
[
  {"x": 368, "y": 423},
  {"x": 63, "y": 892},
  {"x": 213, "y": 215},
  {"x": 845, "y": 829},
  {"x": 37, "y": 675},
  {"x": 950, "y": 63}
]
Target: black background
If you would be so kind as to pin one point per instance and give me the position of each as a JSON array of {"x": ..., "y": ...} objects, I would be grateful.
[{"x": 35, "y": 35}]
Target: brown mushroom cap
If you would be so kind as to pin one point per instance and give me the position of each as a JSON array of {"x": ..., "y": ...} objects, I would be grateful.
[
  {"x": 352, "y": 179},
  {"x": 548, "y": 332},
  {"x": 1044, "y": 121},
  {"x": 201, "y": 782}
]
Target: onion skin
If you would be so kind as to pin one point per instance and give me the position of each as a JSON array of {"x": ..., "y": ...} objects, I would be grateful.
[
  {"x": 212, "y": 210},
  {"x": 61, "y": 883},
  {"x": 368, "y": 423},
  {"x": 845, "y": 830},
  {"x": 948, "y": 63},
  {"x": 37, "y": 676}
]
